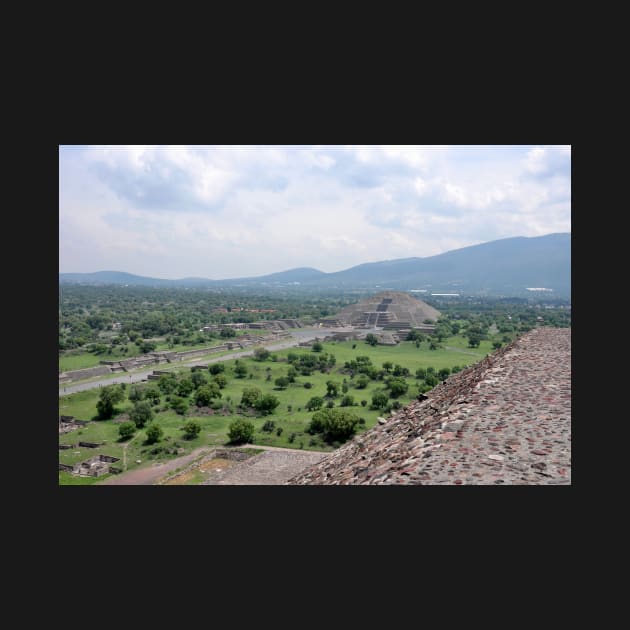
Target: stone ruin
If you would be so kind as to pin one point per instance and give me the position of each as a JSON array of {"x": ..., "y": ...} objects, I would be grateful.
[
  {"x": 96, "y": 466},
  {"x": 503, "y": 420},
  {"x": 70, "y": 423}
]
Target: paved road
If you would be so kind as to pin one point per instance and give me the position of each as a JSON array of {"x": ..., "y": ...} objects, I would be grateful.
[{"x": 298, "y": 336}]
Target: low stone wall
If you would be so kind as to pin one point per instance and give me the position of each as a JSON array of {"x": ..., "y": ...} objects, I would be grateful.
[{"x": 99, "y": 370}]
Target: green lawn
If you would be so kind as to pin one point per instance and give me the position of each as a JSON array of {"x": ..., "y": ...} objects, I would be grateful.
[{"x": 291, "y": 415}]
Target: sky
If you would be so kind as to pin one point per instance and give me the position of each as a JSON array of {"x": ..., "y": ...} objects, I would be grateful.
[{"x": 240, "y": 211}]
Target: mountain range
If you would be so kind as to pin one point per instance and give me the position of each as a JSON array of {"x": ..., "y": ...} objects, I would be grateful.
[{"x": 506, "y": 267}]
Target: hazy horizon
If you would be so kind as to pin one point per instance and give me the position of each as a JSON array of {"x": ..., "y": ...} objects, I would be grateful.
[{"x": 229, "y": 212}]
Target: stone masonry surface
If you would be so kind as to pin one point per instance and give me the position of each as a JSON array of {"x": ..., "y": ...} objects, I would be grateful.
[{"x": 505, "y": 420}]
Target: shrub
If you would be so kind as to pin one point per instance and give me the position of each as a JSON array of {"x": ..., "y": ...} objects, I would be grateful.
[
  {"x": 261, "y": 354},
  {"x": 192, "y": 429},
  {"x": 317, "y": 347},
  {"x": 269, "y": 426},
  {"x": 126, "y": 430},
  {"x": 363, "y": 403},
  {"x": 154, "y": 433},
  {"x": 333, "y": 424},
  {"x": 216, "y": 368},
  {"x": 206, "y": 394},
  {"x": 250, "y": 396},
  {"x": 308, "y": 385},
  {"x": 241, "y": 431},
  {"x": 291, "y": 438},
  {"x": 282, "y": 382},
  {"x": 379, "y": 400},
  {"x": 266, "y": 404},
  {"x": 330, "y": 404},
  {"x": 315, "y": 403},
  {"x": 362, "y": 382},
  {"x": 397, "y": 387},
  {"x": 347, "y": 401},
  {"x": 279, "y": 431}
]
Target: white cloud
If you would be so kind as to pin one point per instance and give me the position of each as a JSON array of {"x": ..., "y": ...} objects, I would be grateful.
[{"x": 235, "y": 211}]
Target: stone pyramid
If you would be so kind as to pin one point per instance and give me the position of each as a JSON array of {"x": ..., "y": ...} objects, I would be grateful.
[{"x": 389, "y": 310}]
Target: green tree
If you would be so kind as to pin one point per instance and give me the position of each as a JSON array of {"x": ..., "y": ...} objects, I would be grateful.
[
  {"x": 347, "y": 401},
  {"x": 261, "y": 354},
  {"x": 250, "y": 396},
  {"x": 216, "y": 368},
  {"x": 335, "y": 425},
  {"x": 362, "y": 382},
  {"x": 141, "y": 414},
  {"x": 126, "y": 430},
  {"x": 220, "y": 380},
  {"x": 109, "y": 396},
  {"x": 192, "y": 429},
  {"x": 387, "y": 366},
  {"x": 167, "y": 383},
  {"x": 154, "y": 433},
  {"x": 421, "y": 373},
  {"x": 152, "y": 394},
  {"x": 266, "y": 404},
  {"x": 198, "y": 379},
  {"x": 496, "y": 345},
  {"x": 444, "y": 373},
  {"x": 379, "y": 400},
  {"x": 240, "y": 371},
  {"x": 185, "y": 387},
  {"x": 282, "y": 382},
  {"x": 241, "y": 431},
  {"x": 317, "y": 347},
  {"x": 397, "y": 387},
  {"x": 206, "y": 394},
  {"x": 332, "y": 389},
  {"x": 371, "y": 339},
  {"x": 474, "y": 339},
  {"x": 147, "y": 346},
  {"x": 314, "y": 403},
  {"x": 226, "y": 333}
]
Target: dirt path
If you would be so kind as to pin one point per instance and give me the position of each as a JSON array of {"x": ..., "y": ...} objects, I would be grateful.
[
  {"x": 272, "y": 467},
  {"x": 147, "y": 476}
]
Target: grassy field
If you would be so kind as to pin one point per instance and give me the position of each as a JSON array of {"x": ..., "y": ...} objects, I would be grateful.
[{"x": 290, "y": 416}]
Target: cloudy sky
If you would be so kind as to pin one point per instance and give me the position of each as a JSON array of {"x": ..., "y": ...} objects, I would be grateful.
[{"x": 234, "y": 211}]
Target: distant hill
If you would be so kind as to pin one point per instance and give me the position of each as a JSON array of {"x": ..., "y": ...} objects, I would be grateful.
[{"x": 503, "y": 267}]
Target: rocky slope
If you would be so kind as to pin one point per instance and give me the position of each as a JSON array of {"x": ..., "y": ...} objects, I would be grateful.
[{"x": 504, "y": 420}]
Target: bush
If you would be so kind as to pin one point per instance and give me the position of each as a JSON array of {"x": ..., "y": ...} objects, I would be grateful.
[
  {"x": 261, "y": 354},
  {"x": 362, "y": 382},
  {"x": 282, "y": 382},
  {"x": 241, "y": 431},
  {"x": 330, "y": 404},
  {"x": 136, "y": 394},
  {"x": 317, "y": 347},
  {"x": 266, "y": 404},
  {"x": 220, "y": 380},
  {"x": 240, "y": 371},
  {"x": 379, "y": 400},
  {"x": 216, "y": 368},
  {"x": 269, "y": 426},
  {"x": 179, "y": 405},
  {"x": 206, "y": 394},
  {"x": 154, "y": 433},
  {"x": 315, "y": 403},
  {"x": 347, "y": 401},
  {"x": 250, "y": 396},
  {"x": 141, "y": 414},
  {"x": 363, "y": 403},
  {"x": 308, "y": 385},
  {"x": 192, "y": 429},
  {"x": 333, "y": 424},
  {"x": 126, "y": 430},
  {"x": 397, "y": 387},
  {"x": 291, "y": 438},
  {"x": 279, "y": 431}
]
